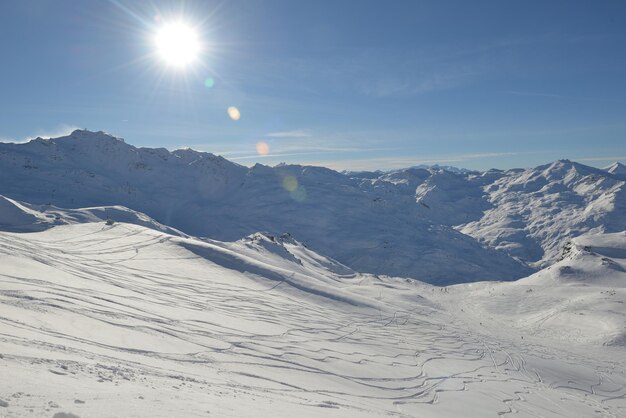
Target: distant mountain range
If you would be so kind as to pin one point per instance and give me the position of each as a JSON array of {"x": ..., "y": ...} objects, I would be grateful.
[{"x": 436, "y": 224}]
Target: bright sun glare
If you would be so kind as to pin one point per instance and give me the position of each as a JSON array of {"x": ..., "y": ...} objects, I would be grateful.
[{"x": 177, "y": 44}]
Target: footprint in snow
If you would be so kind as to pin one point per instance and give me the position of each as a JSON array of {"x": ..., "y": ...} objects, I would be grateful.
[
  {"x": 64, "y": 415},
  {"x": 328, "y": 404}
]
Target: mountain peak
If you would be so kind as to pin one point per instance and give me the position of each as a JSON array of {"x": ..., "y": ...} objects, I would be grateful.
[
  {"x": 192, "y": 155},
  {"x": 85, "y": 134},
  {"x": 616, "y": 168},
  {"x": 561, "y": 168},
  {"x": 560, "y": 164}
]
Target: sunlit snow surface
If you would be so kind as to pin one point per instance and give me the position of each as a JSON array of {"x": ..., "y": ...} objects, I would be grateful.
[
  {"x": 119, "y": 320},
  {"x": 437, "y": 225},
  {"x": 107, "y": 311}
]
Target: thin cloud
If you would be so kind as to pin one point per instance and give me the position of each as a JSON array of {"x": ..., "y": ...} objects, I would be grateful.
[
  {"x": 14, "y": 141},
  {"x": 563, "y": 97},
  {"x": 61, "y": 130},
  {"x": 297, "y": 133},
  {"x": 394, "y": 86},
  {"x": 390, "y": 163},
  {"x": 322, "y": 147},
  {"x": 255, "y": 156},
  {"x": 305, "y": 151},
  {"x": 602, "y": 159},
  {"x": 325, "y": 144},
  {"x": 534, "y": 94}
]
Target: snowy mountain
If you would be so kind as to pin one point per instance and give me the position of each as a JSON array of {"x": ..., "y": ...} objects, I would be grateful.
[
  {"x": 534, "y": 211},
  {"x": 431, "y": 223},
  {"x": 527, "y": 214},
  {"x": 118, "y": 319},
  {"x": 616, "y": 168},
  {"x": 372, "y": 229}
]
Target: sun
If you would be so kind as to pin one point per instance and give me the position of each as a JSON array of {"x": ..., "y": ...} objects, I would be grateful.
[{"x": 178, "y": 44}]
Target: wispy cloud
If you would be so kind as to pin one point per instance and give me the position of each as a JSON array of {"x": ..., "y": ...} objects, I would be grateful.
[
  {"x": 390, "y": 163},
  {"x": 563, "y": 97},
  {"x": 296, "y": 133},
  {"x": 399, "y": 86},
  {"x": 305, "y": 151},
  {"x": 14, "y": 141},
  {"x": 535, "y": 94},
  {"x": 280, "y": 155},
  {"x": 385, "y": 72},
  {"x": 61, "y": 130},
  {"x": 611, "y": 159},
  {"x": 300, "y": 144}
]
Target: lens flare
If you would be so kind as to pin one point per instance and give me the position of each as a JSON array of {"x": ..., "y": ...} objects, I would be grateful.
[
  {"x": 209, "y": 82},
  {"x": 290, "y": 183},
  {"x": 299, "y": 195},
  {"x": 262, "y": 148},
  {"x": 234, "y": 113}
]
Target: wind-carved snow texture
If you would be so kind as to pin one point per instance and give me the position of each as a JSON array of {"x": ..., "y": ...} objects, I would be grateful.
[
  {"x": 105, "y": 311},
  {"x": 124, "y": 320}
]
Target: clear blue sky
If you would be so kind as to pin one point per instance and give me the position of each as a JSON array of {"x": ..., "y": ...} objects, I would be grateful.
[{"x": 348, "y": 84}]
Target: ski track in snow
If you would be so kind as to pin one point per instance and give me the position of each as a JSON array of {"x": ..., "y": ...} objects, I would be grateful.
[{"x": 124, "y": 321}]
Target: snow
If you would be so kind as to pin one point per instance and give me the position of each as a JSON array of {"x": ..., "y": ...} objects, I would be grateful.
[
  {"x": 123, "y": 320},
  {"x": 527, "y": 214},
  {"x": 379, "y": 226},
  {"x": 617, "y": 168},
  {"x": 495, "y": 225},
  {"x": 534, "y": 211},
  {"x": 23, "y": 217},
  {"x": 143, "y": 282},
  {"x": 579, "y": 299}
]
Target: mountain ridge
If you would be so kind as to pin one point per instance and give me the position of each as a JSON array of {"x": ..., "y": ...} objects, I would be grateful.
[{"x": 433, "y": 224}]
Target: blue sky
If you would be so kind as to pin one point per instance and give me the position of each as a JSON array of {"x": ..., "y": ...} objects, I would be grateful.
[{"x": 346, "y": 84}]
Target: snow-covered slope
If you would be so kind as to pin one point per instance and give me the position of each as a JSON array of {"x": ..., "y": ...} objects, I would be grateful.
[
  {"x": 578, "y": 300},
  {"x": 535, "y": 211},
  {"x": 24, "y": 217},
  {"x": 527, "y": 214},
  {"x": 105, "y": 320},
  {"x": 617, "y": 168},
  {"x": 372, "y": 228},
  {"x": 435, "y": 224}
]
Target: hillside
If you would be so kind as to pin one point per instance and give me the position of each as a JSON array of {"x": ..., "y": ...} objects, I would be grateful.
[
  {"x": 136, "y": 322},
  {"x": 578, "y": 300},
  {"x": 439, "y": 225},
  {"x": 369, "y": 229},
  {"x": 527, "y": 214}
]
